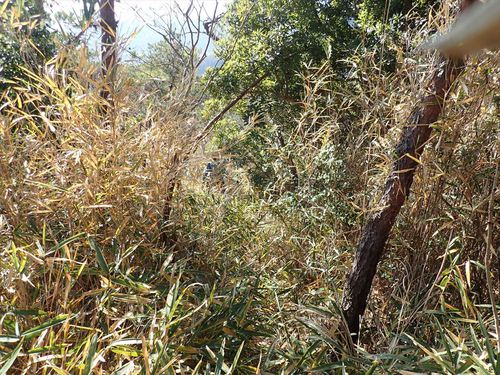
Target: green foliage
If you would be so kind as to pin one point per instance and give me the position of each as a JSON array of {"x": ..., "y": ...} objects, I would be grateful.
[
  {"x": 253, "y": 281},
  {"x": 278, "y": 37},
  {"x": 25, "y": 41},
  {"x": 282, "y": 38}
]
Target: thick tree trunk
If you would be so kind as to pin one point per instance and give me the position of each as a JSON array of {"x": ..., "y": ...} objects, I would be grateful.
[
  {"x": 108, "y": 49},
  {"x": 397, "y": 188}
]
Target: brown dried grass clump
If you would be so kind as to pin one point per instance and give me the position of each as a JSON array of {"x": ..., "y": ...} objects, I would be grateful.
[
  {"x": 83, "y": 186},
  {"x": 64, "y": 164},
  {"x": 253, "y": 281}
]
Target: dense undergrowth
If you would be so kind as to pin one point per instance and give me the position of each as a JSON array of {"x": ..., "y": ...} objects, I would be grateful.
[{"x": 253, "y": 280}]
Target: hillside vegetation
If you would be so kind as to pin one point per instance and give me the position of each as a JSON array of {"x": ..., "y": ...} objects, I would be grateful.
[{"x": 122, "y": 253}]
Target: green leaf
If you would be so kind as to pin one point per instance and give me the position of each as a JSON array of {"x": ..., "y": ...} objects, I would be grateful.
[
  {"x": 127, "y": 351},
  {"x": 100, "y": 257},
  {"x": 216, "y": 358},
  {"x": 220, "y": 359},
  {"x": 487, "y": 343},
  {"x": 308, "y": 352},
  {"x": 324, "y": 368},
  {"x": 372, "y": 369},
  {"x": 236, "y": 358},
  {"x": 10, "y": 358},
  {"x": 90, "y": 355},
  {"x": 44, "y": 349},
  {"x": 42, "y": 327},
  {"x": 468, "y": 364},
  {"x": 65, "y": 242}
]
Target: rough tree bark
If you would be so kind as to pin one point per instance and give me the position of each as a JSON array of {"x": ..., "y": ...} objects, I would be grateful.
[
  {"x": 376, "y": 231},
  {"x": 108, "y": 26}
]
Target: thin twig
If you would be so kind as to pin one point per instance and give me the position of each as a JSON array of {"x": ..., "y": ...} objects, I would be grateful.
[{"x": 487, "y": 255}]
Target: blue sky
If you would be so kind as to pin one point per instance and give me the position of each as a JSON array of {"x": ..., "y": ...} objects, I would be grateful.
[{"x": 133, "y": 15}]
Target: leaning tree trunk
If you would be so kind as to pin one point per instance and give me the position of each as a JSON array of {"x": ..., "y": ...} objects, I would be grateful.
[
  {"x": 397, "y": 188},
  {"x": 108, "y": 26}
]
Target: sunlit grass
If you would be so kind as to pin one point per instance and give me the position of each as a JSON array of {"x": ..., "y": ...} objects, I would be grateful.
[{"x": 253, "y": 282}]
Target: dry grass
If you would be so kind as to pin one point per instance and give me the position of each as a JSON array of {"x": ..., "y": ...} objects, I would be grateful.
[{"x": 254, "y": 279}]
